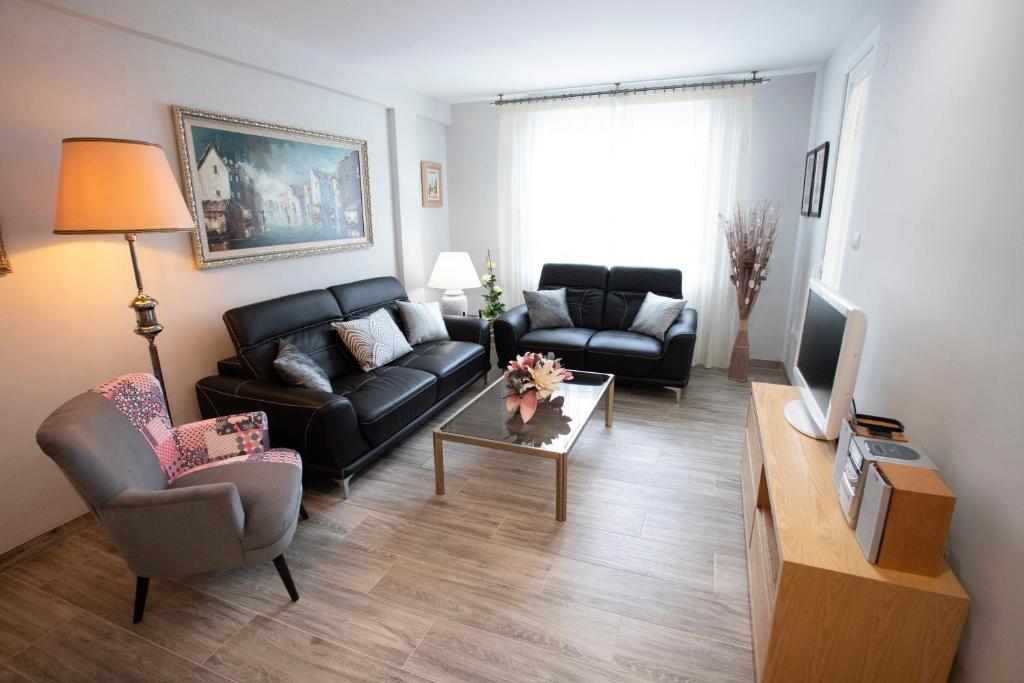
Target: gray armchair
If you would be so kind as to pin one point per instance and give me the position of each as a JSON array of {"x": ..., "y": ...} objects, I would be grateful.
[{"x": 176, "y": 501}]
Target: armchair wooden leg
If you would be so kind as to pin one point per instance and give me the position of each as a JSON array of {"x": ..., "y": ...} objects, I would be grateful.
[
  {"x": 141, "y": 589},
  {"x": 302, "y": 512},
  {"x": 286, "y": 577}
]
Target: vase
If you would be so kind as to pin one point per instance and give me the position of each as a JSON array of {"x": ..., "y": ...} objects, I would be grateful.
[{"x": 738, "y": 365}]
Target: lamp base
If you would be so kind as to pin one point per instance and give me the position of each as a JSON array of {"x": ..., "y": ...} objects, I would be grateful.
[{"x": 454, "y": 302}]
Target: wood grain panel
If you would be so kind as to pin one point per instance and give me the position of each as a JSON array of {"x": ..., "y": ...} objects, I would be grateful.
[
  {"x": 90, "y": 649},
  {"x": 268, "y": 651}
]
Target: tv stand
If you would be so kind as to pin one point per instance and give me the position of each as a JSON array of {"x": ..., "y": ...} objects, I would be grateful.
[
  {"x": 800, "y": 419},
  {"x": 819, "y": 610}
]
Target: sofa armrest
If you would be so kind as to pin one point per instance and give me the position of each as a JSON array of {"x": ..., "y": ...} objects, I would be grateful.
[
  {"x": 177, "y": 532},
  {"x": 321, "y": 426},
  {"x": 464, "y": 328},
  {"x": 678, "y": 347},
  {"x": 509, "y": 327}
]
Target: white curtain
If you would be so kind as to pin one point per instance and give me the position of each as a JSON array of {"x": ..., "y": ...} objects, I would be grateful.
[{"x": 637, "y": 180}]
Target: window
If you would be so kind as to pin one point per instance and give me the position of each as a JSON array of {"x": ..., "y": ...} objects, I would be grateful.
[
  {"x": 215, "y": 170},
  {"x": 627, "y": 181},
  {"x": 844, "y": 183}
]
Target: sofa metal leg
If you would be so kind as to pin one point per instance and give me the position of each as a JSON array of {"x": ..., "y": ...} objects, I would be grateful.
[
  {"x": 343, "y": 483},
  {"x": 678, "y": 391},
  {"x": 302, "y": 512},
  {"x": 286, "y": 577},
  {"x": 141, "y": 589}
]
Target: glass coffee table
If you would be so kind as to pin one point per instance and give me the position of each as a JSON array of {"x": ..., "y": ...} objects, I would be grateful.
[{"x": 551, "y": 433}]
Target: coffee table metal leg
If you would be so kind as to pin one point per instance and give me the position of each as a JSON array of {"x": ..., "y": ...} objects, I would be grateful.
[
  {"x": 561, "y": 486},
  {"x": 609, "y": 405},
  {"x": 438, "y": 464}
]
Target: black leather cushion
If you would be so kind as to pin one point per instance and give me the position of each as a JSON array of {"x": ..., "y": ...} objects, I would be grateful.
[
  {"x": 453, "y": 362},
  {"x": 584, "y": 290},
  {"x": 627, "y": 287},
  {"x": 360, "y": 298},
  {"x": 568, "y": 343},
  {"x": 623, "y": 353},
  {"x": 270, "y": 493},
  {"x": 303, "y": 320},
  {"x": 387, "y": 398}
]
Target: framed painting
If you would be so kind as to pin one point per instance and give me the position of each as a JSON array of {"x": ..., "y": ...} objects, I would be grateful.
[
  {"x": 262, "y": 191},
  {"x": 820, "y": 169},
  {"x": 5, "y": 265},
  {"x": 430, "y": 184},
  {"x": 805, "y": 200}
]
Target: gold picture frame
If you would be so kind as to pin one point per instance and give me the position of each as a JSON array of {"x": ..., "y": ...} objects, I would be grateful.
[
  {"x": 263, "y": 191},
  {"x": 5, "y": 263},
  {"x": 431, "y": 184}
]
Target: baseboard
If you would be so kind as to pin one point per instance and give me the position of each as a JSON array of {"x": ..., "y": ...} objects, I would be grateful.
[{"x": 46, "y": 540}]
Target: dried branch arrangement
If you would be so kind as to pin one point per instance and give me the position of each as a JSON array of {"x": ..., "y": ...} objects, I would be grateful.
[{"x": 750, "y": 236}]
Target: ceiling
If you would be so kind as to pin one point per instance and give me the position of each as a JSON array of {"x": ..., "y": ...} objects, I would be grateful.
[{"x": 460, "y": 50}]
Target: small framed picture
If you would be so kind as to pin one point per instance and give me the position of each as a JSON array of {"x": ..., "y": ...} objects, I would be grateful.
[
  {"x": 820, "y": 168},
  {"x": 430, "y": 182},
  {"x": 5, "y": 265},
  {"x": 805, "y": 200}
]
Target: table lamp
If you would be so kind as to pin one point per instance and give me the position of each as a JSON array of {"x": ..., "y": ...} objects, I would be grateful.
[
  {"x": 454, "y": 272},
  {"x": 125, "y": 187}
]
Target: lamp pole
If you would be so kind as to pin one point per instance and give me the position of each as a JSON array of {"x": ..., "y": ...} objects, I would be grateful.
[{"x": 145, "y": 318}]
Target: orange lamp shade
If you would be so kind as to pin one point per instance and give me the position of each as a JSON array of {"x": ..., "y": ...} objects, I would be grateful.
[{"x": 117, "y": 186}]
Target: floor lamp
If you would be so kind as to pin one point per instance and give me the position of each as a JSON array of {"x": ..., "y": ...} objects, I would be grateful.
[{"x": 124, "y": 187}]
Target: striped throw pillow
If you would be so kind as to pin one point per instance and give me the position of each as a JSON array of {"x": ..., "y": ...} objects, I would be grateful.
[{"x": 374, "y": 340}]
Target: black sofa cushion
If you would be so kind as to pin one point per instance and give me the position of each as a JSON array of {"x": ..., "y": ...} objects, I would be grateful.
[
  {"x": 627, "y": 287},
  {"x": 568, "y": 343},
  {"x": 361, "y": 298},
  {"x": 584, "y": 290},
  {"x": 453, "y": 363},
  {"x": 623, "y": 353},
  {"x": 303, "y": 320},
  {"x": 387, "y": 398}
]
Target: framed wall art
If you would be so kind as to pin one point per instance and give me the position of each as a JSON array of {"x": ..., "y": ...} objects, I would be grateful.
[
  {"x": 430, "y": 184},
  {"x": 820, "y": 169},
  {"x": 805, "y": 200},
  {"x": 262, "y": 191}
]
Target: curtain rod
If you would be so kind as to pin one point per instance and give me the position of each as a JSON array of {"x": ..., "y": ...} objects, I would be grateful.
[{"x": 618, "y": 90}]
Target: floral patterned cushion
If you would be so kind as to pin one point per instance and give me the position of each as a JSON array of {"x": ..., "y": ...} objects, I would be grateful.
[{"x": 217, "y": 441}]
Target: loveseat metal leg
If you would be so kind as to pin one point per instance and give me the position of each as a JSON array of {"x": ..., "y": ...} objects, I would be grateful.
[
  {"x": 286, "y": 577},
  {"x": 677, "y": 391},
  {"x": 141, "y": 589},
  {"x": 343, "y": 483}
]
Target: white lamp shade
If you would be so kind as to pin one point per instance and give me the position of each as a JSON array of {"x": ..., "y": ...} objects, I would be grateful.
[{"x": 453, "y": 270}]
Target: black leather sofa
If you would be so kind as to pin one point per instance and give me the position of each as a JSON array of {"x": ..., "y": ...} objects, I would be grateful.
[
  {"x": 340, "y": 432},
  {"x": 602, "y": 304}
]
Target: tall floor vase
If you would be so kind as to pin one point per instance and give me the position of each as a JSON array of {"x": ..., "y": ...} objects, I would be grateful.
[{"x": 739, "y": 364}]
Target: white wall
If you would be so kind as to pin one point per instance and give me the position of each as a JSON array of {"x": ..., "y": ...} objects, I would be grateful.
[
  {"x": 434, "y": 226},
  {"x": 938, "y": 206},
  {"x": 781, "y": 119},
  {"x": 97, "y": 69}
]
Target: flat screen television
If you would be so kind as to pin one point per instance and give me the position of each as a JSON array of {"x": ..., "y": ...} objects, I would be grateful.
[{"x": 826, "y": 362}]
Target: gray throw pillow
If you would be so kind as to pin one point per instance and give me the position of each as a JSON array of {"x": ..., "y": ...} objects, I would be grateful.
[
  {"x": 548, "y": 308},
  {"x": 298, "y": 369},
  {"x": 656, "y": 315},
  {"x": 374, "y": 340},
  {"x": 423, "y": 322}
]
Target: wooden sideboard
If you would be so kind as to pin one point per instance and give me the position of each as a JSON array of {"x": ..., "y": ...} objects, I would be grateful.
[{"x": 819, "y": 610}]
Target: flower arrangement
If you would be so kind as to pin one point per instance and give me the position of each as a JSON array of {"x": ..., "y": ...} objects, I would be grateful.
[
  {"x": 531, "y": 378},
  {"x": 493, "y": 305},
  {"x": 750, "y": 236}
]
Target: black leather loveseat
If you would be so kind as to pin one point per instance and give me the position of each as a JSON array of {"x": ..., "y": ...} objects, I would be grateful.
[
  {"x": 340, "y": 432},
  {"x": 602, "y": 304}
]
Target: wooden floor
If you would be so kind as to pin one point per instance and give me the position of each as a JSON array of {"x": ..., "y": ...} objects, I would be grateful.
[{"x": 645, "y": 581}]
